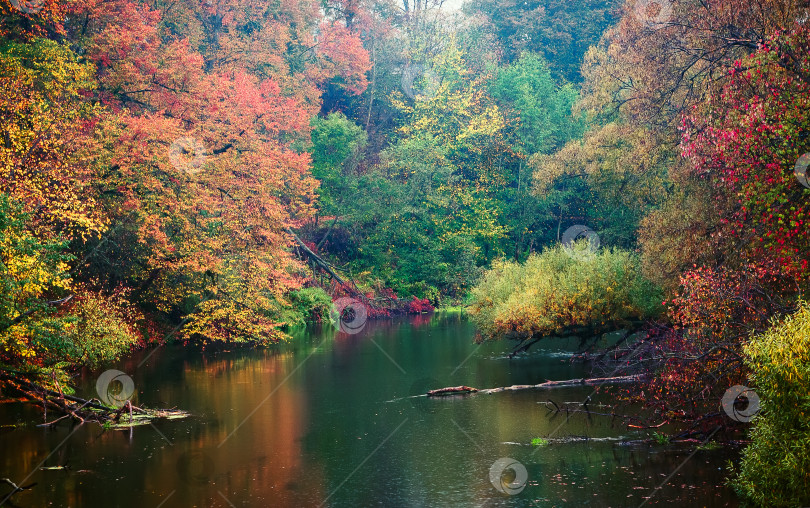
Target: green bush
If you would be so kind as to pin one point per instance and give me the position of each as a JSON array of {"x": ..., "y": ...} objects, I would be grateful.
[
  {"x": 775, "y": 469},
  {"x": 309, "y": 305},
  {"x": 560, "y": 289}
]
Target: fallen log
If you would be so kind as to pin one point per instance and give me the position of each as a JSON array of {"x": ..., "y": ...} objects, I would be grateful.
[
  {"x": 15, "y": 488},
  {"x": 451, "y": 390},
  {"x": 326, "y": 267},
  {"x": 597, "y": 381}
]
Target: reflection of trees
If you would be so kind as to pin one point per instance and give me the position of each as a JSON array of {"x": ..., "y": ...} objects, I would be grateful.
[
  {"x": 331, "y": 414},
  {"x": 263, "y": 454},
  {"x": 262, "y": 460}
]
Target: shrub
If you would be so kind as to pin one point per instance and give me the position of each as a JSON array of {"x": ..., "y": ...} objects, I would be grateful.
[
  {"x": 309, "y": 305},
  {"x": 418, "y": 306},
  {"x": 101, "y": 330},
  {"x": 775, "y": 469},
  {"x": 560, "y": 289}
]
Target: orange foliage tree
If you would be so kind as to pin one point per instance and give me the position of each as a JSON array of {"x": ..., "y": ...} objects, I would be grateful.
[{"x": 175, "y": 149}]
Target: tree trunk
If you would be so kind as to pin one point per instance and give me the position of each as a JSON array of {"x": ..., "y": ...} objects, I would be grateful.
[{"x": 323, "y": 265}]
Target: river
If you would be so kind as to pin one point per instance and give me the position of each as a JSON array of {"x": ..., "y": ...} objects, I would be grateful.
[{"x": 329, "y": 420}]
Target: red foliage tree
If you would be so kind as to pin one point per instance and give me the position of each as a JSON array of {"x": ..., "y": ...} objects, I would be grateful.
[
  {"x": 209, "y": 105},
  {"x": 747, "y": 143},
  {"x": 744, "y": 144}
]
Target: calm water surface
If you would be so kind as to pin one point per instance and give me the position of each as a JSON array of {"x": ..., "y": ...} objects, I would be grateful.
[{"x": 329, "y": 420}]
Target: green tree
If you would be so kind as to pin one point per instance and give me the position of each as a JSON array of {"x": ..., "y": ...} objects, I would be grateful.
[
  {"x": 560, "y": 30},
  {"x": 337, "y": 146},
  {"x": 540, "y": 121},
  {"x": 420, "y": 229},
  {"x": 542, "y": 109}
]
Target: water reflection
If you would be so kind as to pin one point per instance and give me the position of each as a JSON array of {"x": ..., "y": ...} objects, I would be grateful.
[{"x": 331, "y": 417}]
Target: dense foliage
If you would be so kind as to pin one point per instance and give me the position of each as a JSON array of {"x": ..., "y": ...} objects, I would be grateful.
[
  {"x": 775, "y": 469},
  {"x": 564, "y": 289},
  {"x": 37, "y": 333}
]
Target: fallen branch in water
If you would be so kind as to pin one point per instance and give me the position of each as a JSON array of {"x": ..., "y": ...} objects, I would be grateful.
[
  {"x": 597, "y": 381},
  {"x": 83, "y": 410},
  {"x": 15, "y": 487},
  {"x": 451, "y": 390},
  {"x": 582, "y": 408}
]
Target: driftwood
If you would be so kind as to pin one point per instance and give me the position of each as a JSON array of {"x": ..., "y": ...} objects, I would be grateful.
[
  {"x": 451, "y": 390},
  {"x": 597, "y": 381},
  {"x": 15, "y": 488},
  {"x": 83, "y": 410}
]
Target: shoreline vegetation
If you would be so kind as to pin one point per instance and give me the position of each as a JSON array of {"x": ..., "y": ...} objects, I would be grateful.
[{"x": 219, "y": 173}]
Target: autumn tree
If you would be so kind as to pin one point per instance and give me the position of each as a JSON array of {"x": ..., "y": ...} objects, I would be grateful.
[
  {"x": 44, "y": 117},
  {"x": 775, "y": 468},
  {"x": 172, "y": 156},
  {"x": 748, "y": 145},
  {"x": 648, "y": 71},
  {"x": 48, "y": 320}
]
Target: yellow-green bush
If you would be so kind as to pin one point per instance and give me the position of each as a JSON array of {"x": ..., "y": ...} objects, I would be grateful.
[
  {"x": 100, "y": 330},
  {"x": 775, "y": 468},
  {"x": 562, "y": 288}
]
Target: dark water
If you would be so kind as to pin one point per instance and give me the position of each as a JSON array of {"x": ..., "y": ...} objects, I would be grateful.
[{"x": 327, "y": 421}]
